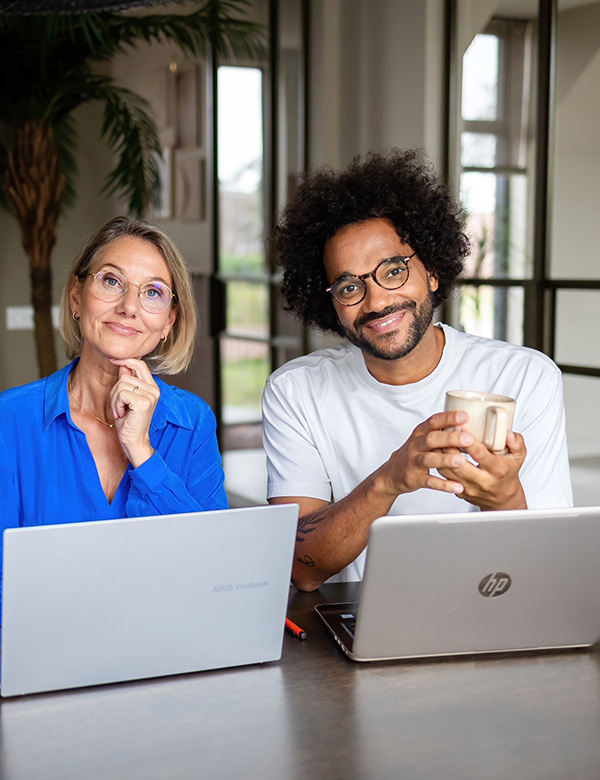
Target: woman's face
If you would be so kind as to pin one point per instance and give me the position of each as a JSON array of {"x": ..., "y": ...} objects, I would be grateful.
[{"x": 122, "y": 328}]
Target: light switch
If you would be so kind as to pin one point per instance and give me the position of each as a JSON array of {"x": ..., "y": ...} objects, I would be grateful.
[{"x": 21, "y": 317}]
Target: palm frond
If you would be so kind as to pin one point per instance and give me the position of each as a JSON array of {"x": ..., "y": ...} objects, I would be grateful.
[
  {"x": 129, "y": 129},
  {"x": 132, "y": 135},
  {"x": 216, "y": 21},
  {"x": 98, "y": 36},
  {"x": 65, "y": 136}
]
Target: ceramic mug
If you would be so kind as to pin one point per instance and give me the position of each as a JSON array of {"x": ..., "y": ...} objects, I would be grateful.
[{"x": 490, "y": 416}]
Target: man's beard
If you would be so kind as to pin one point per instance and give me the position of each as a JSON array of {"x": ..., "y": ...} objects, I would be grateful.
[{"x": 422, "y": 319}]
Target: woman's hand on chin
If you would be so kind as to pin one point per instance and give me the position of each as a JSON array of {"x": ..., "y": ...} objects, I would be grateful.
[{"x": 133, "y": 400}]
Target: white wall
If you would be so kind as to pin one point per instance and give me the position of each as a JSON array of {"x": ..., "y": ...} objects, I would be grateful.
[
  {"x": 376, "y": 78},
  {"x": 575, "y": 224}
]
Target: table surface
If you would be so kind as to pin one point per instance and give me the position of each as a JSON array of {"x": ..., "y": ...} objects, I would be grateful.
[{"x": 315, "y": 714}]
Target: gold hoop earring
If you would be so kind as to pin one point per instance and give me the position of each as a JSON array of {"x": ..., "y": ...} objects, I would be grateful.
[
  {"x": 75, "y": 317},
  {"x": 165, "y": 337}
]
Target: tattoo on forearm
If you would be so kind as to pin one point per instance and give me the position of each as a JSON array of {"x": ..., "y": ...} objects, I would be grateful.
[
  {"x": 307, "y": 561},
  {"x": 306, "y": 524}
]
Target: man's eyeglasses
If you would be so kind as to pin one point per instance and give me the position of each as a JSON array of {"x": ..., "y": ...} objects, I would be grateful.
[
  {"x": 391, "y": 274},
  {"x": 155, "y": 297}
]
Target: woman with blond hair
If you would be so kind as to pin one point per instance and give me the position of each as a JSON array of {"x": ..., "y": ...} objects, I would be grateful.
[{"x": 103, "y": 437}]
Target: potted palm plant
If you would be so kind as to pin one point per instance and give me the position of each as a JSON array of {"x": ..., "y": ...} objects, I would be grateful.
[{"x": 58, "y": 56}]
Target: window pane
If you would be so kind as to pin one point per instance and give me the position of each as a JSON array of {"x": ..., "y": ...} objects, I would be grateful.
[
  {"x": 480, "y": 79},
  {"x": 478, "y": 150},
  {"x": 492, "y": 312},
  {"x": 240, "y": 165},
  {"x": 577, "y": 315},
  {"x": 478, "y": 192},
  {"x": 496, "y": 208},
  {"x": 496, "y": 144},
  {"x": 248, "y": 309},
  {"x": 245, "y": 368}
]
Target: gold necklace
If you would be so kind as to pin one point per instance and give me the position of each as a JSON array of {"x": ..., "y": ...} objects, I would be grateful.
[{"x": 83, "y": 409}]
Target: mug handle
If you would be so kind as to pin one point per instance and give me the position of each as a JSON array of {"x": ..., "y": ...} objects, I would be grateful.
[{"x": 496, "y": 428}]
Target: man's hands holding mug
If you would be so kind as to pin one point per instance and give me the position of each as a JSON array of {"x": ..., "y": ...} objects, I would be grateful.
[{"x": 490, "y": 478}]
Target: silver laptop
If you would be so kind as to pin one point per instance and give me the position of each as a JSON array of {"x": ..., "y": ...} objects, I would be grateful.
[
  {"x": 461, "y": 584},
  {"x": 114, "y": 600}
]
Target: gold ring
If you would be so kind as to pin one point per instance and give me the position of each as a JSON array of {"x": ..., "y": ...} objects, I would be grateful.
[{"x": 135, "y": 389}]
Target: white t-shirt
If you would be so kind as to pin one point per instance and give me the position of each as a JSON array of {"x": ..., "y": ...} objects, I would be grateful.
[{"x": 328, "y": 424}]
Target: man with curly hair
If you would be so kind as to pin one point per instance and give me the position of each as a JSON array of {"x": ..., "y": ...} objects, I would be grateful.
[{"x": 356, "y": 431}]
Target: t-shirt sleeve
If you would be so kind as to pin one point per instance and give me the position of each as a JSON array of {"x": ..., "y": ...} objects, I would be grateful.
[
  {"x": 157, "y": 490},
  {"x": 545, "y": 474},
  {"x": 294, "y": 464}
]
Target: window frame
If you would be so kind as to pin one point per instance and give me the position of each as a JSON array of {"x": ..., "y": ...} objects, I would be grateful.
[{"x": 540, "y": 291}]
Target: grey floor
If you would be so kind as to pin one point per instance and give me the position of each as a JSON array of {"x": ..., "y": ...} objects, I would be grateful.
[{"x": 246, "y": 478}]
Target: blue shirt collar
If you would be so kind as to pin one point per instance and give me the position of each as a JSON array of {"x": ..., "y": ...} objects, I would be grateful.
[
  {"x": 168, "y": 409},
  {"x": 56, "y": 398}
]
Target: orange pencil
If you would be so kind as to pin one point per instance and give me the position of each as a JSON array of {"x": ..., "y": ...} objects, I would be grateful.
[{"x": 295, "y": 630}]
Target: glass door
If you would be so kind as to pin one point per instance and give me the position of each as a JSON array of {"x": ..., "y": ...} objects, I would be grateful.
[
  {"x": 496, "y": 165},
  {"x": 244, "y": 344},
  {"x": 260, "y": 152}
]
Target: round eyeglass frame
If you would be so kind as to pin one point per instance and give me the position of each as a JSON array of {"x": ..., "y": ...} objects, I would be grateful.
[
  {"x": 143, "y": 302},
  {"x": 372, "y": 274}
]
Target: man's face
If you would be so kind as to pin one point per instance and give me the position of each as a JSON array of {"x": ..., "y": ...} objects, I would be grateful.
[{"x": 386, "y": 324}]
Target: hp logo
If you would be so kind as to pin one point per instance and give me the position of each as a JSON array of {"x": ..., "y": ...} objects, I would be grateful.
[{"x": 495, "y": 584}]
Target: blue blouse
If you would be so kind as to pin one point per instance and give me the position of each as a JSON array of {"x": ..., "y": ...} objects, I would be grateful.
[{"x": 48, "y": 474}]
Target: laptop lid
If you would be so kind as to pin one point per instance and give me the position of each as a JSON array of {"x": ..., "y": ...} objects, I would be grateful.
[
  {"x": 443, "y": 585},
  {"x": 107, "y": 601}
]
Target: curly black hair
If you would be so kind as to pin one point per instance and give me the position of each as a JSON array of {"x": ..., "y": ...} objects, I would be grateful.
[{"x": 399, "y": 185}]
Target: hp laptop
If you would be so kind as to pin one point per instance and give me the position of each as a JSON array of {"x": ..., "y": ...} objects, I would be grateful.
[
  {"x": 462, "y": 584},
  {"x": 114, "y": 600}
]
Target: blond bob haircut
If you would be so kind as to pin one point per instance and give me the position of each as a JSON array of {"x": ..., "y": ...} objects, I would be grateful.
[{"x": 170, "y": 356}]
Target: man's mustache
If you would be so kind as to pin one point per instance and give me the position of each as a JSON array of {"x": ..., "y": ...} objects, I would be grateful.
[{"x": 387, "y": 312}]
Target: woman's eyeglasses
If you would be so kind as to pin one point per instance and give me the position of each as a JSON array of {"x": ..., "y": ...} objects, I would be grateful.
[{"x": 155, "y": 297}]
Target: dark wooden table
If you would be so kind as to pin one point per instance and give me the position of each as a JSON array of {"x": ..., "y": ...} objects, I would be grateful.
[{"x": 316, "y": 715}]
